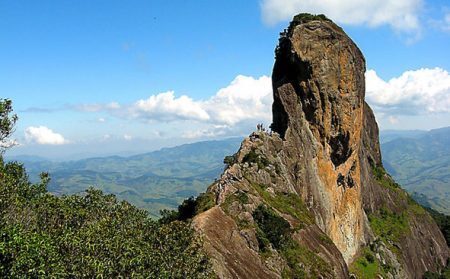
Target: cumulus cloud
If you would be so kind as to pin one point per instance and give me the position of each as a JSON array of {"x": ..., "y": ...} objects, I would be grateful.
[
  {"x": 244, "y": 99},
  {"x": 236, "y": 107},
  {"x": 401, "y": 15},
  {"x": 166, "y": 107},
  {"x": 421, "y": 91},
  {"x": 43, "y": 135},
  {"x": 205, "y": 133}
]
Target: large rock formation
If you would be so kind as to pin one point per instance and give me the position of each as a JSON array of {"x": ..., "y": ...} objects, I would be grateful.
[{"x": 312, "y": 199}]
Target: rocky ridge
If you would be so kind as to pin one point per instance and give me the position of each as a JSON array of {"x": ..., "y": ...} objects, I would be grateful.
[{"x": 311, "y": 199}]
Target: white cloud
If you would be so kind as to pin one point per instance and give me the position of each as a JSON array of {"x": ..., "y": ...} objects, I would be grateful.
[
  {"x": 393, "y": 120},
  {"x": 203, "y": 133},
  {"x": 236, "y": 107},
  {"x": 166, "y": 107},
  {"x": 43, "y": 135},
  {"x": 97, "y": 107},
  {"x": 244, "y": 99},
  {"x": 422, "y": 91},
  {"x": 401, "y": 15},
  {"x": 445, "y": 25}
]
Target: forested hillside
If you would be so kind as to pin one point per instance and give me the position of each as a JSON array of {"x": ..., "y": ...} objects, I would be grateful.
[{"x": 87, "y": 235}]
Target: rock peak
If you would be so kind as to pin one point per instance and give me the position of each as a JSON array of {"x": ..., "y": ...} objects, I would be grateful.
[{"x": 314, "y": 193}]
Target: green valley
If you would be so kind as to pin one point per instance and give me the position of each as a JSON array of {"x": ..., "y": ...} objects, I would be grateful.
[
  {"x": 420, "y": 163},
  {"x": 153, "y": 181}
]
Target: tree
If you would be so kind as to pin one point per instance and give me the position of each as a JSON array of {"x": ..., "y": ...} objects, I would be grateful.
[
  {"x": 92, "y": 235},
  {"x": 7, "y": 123}
]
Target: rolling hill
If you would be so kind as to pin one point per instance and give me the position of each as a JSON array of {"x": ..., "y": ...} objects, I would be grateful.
[
  {"x": 421, "y": 164},
  {"x": 154, "y": 181},
  {"x": 418, "y": 160}
]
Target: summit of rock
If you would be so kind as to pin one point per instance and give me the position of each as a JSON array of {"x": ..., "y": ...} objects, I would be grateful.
[{"x": 311, "y": 199}]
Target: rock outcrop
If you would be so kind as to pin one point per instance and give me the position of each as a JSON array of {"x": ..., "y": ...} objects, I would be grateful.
[{"x": 311, "y": 199}]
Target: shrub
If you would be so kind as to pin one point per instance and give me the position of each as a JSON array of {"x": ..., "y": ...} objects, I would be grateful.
[
  {"x": 273, "y": 227},
  {"x": 229, "y": 160},
  {"x": 303, "y": 18},
  {"x": 189, "y": 208},
  {"x": 93, "y": 235},
  {"x": 253, "y": 157}
]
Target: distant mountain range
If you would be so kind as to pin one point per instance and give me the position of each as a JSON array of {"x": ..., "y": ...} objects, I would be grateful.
[
  {"x": 420, "y": 162},
  {"x": 389, "y": 135},
  {"x": 154, "y": 181}
]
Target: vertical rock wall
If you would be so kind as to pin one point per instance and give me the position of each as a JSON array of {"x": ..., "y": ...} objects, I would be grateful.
[
  {"x": 318, "y": 83},
  {"x": 320, "y": 172}
]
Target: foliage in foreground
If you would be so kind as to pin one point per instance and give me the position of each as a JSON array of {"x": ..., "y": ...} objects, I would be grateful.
[
  {"x": 86, "y": 236},
  {"x": 7, "y": 122}
]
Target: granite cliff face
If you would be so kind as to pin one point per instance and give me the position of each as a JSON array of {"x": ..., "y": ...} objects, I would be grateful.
[{"x": 312, "y": 199}]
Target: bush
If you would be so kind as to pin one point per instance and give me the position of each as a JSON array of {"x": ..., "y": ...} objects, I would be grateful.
[
  {"x": 7, "y": 122},
  {"x": 303, "y": 18},
  {"x": 93, "y": 235},
  {"x": 273, "y": 227},
  {"x": 229, "y": 160},
  {"x": 253, "y": 157},
  {"x": 443, "y": 222},
  {"x": 189, "y": 208}
]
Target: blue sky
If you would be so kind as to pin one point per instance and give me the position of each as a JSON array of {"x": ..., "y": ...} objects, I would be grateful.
[{"x": 111, "y": 77}]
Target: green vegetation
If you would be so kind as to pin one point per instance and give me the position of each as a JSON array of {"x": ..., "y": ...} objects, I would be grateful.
[
  {"x": 229, "y": 160},
  {"x": 443, "y": 221},
  {"x": 388, "y": 225},
  {"x": 443, "y": 274},
  {"x": 153, "y": 181},
  {"x": 86, "y": 236},
  {"x": 273, "y": 228},
  {"x": 287, "y": 203},
  {"x": 7, "y": 122},
  {"x": 303, "y": 263},
  {"x": 242, "y": 197},
  {"x": 303, "y": 18},
  {"x": 189, "y": 208},
  {"x": 253, "y": 157},
  {"x": 367, "y": 266},
  {"x": 383, "y": 178}
]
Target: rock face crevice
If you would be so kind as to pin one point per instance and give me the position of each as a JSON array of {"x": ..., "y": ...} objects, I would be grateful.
[{"x": 321, "y": 172}]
